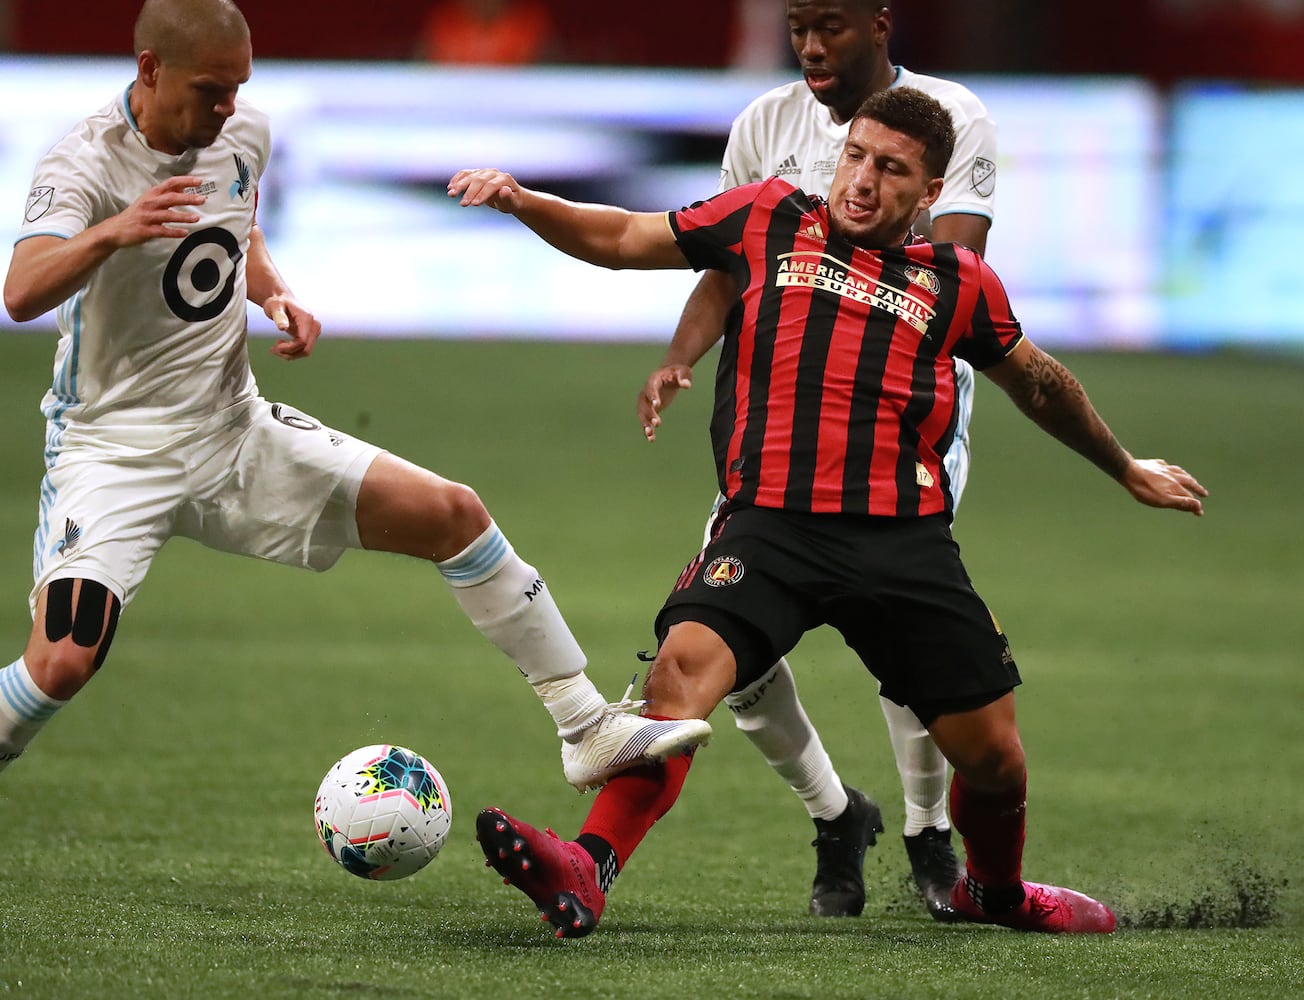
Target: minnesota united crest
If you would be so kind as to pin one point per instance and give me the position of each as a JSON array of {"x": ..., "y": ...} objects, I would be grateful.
[
  {"x": 71, "y": 535},
  {"x": 243, "y": 178}
]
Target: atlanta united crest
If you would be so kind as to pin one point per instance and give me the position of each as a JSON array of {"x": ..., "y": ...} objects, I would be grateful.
[{"x": 722, "y": 571}]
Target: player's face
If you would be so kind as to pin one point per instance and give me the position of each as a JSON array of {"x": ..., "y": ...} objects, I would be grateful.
[
  {"x": 842, "y": 47},
  {"x": 880, "y": 185},
  {"x": 193, "y": 99}
]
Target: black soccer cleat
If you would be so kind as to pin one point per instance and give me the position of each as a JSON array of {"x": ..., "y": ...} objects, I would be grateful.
[
  {"x": 840, "y": 845},
  {"x": 935, "y": 869}
]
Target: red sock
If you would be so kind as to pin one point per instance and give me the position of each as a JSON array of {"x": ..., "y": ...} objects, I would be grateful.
[
  {"x": 993, "y": 831},
  {"x": 632, "y": 801}
]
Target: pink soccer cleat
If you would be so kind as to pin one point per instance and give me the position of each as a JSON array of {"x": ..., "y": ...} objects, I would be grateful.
[
  {"x": 558, "y": 875},
  {"x": 1048, "y": 909}
]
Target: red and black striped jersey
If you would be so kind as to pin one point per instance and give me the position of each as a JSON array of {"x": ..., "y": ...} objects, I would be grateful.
[{"x": 835, "y": 391}]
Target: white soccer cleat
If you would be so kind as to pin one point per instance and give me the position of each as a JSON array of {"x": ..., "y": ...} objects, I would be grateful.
[{"x": 619, "y": 741}]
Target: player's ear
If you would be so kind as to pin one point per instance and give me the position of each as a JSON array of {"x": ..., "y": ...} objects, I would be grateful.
[
  {"x": 147, "y": 65},
  {"x": 931, "y": 194}
]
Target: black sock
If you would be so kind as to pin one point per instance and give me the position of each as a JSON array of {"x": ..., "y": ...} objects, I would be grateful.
[
  {"x": 994, "y": 900},
  {"x": 604, "y": 858}
]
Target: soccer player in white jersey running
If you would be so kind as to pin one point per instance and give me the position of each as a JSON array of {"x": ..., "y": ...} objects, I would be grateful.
[
  {"x": 797, "y": 132},
  {"x": 140, "y": 229}
]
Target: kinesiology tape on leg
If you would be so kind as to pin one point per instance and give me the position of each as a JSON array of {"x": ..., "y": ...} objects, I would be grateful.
[{"x": 83, "y": 609}]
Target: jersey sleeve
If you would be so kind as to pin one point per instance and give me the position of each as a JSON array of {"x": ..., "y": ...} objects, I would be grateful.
[
  {"x": 742, "y": 153},
  {"x": 970, "y": 182},
  {"x": 58, "y": 203},
  {"x": 710, "y": 233},
  {"x": 993, "y": 332}
]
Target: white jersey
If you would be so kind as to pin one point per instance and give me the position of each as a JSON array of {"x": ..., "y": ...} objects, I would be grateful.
[
  {"x": 787, "y": 133},
  {"x": 155, "y": 341}
]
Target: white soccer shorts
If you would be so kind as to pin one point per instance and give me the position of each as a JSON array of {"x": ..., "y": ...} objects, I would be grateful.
[{"x": 259, "y": 479}]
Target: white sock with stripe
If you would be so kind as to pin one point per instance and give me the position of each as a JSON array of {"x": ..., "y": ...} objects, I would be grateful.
[
  {"x": 923, "y": 770},
  {"x": 24, "y": 709},
  {"x": 506, "y": 599}
]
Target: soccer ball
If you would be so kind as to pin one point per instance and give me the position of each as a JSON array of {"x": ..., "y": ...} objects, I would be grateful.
[{"x": 383, "y": 812}]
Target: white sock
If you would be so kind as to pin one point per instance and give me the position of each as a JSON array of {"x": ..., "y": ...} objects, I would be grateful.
[
  {"x": 771, "y": 715},
  {"x": 506, "y": 599},
  {"x": 922, "y": 768},
  {"x": 24, "y": 709}
]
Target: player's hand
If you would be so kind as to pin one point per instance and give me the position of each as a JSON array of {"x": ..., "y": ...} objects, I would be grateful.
[
  {"x": 658, "y": 392},
  {"x": 486, "y": 186},
  {"x": 299, "y": 329},
  {"x": 1157, "y": 483},
  {"x": 162, "y": 212}
]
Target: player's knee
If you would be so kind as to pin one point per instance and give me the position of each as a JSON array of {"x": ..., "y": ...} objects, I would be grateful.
[
  {"x": 79, "y": 621},
  {"x": 997, "y": 765},
  {"x": 61, "y": 670},
  {"x": 459, "y": 508},
  {"x": 693, "y": 671}
]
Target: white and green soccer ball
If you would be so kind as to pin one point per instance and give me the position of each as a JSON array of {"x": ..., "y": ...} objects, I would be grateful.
[{"x": 383, "y": 812}]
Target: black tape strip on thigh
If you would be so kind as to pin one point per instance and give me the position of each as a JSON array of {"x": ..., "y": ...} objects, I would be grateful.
[
  {"x": 88, "y": 618},
  {"x": 86, "y": 624},
  {"x": 58, "y": 609},
  {"x": 109, "y": 629}
]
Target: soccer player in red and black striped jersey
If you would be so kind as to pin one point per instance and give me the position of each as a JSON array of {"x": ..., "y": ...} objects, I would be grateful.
[{"x": 834, "y": 405}]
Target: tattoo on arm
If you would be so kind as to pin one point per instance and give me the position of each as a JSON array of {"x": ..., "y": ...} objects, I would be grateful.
[{"x": 1053, "y": 399}]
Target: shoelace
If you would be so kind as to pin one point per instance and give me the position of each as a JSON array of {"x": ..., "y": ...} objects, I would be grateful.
[
  {"x": 1042, "y": 901},
  {"x": 626, "y": 703}
]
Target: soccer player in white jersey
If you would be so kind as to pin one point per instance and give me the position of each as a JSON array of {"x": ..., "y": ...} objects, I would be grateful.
[
  {"x": 797, "y": 132},
  {"x": 140, "y": 229}
]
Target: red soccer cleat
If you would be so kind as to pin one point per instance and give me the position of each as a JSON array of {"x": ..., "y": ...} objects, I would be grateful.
[
  {"x": 1045, "y": 908},
  {"x": 558, "y": 875}
]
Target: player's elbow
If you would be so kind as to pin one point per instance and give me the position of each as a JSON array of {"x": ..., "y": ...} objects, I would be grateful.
[{"x": 20, "y": 303}]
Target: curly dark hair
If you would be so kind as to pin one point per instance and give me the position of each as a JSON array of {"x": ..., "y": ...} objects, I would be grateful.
[{"x": 913, "y": 113}]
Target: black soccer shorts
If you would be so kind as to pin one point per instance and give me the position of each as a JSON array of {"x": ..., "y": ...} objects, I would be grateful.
[{"x": 895, "y": 589}]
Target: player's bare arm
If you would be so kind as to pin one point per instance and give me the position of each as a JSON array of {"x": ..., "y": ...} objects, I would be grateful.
[
  {"x": 964, "y": 228},
  {"x": 700, "y": 326},
  {"x": 1055, "y": 400},
  {"x": 267, "y": 289},
  {"x": 598, "y": 234},
  {"x": 47, "y": 270}
]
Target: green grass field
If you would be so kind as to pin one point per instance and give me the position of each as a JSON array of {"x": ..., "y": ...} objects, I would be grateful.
[{"x": 159, "y": 837}]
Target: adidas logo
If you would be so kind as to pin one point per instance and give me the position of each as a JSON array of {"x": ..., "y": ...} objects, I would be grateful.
[
  {"x": 788, "y": 166},
  {"x": 814, "y": 231},
  {"x": 71, "y": 533}
]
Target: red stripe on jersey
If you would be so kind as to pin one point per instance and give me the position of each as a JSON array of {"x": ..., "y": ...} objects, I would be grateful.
[
  {"x": 836, "y": 403},
  {"x": 780, "y": 399}
]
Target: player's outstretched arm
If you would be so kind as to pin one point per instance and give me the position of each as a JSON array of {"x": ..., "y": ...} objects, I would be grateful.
[
  {"x": 599, "y": 234},
  {"x": 299, "y": 328},
  {"x": 700, "y": 325},
  {"x": 47, "y": 270},
  {"x": 1048, "y": 393}
]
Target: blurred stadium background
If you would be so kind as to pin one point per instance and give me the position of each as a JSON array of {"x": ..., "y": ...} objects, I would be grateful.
[{"x": 1139, "y": 200}]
